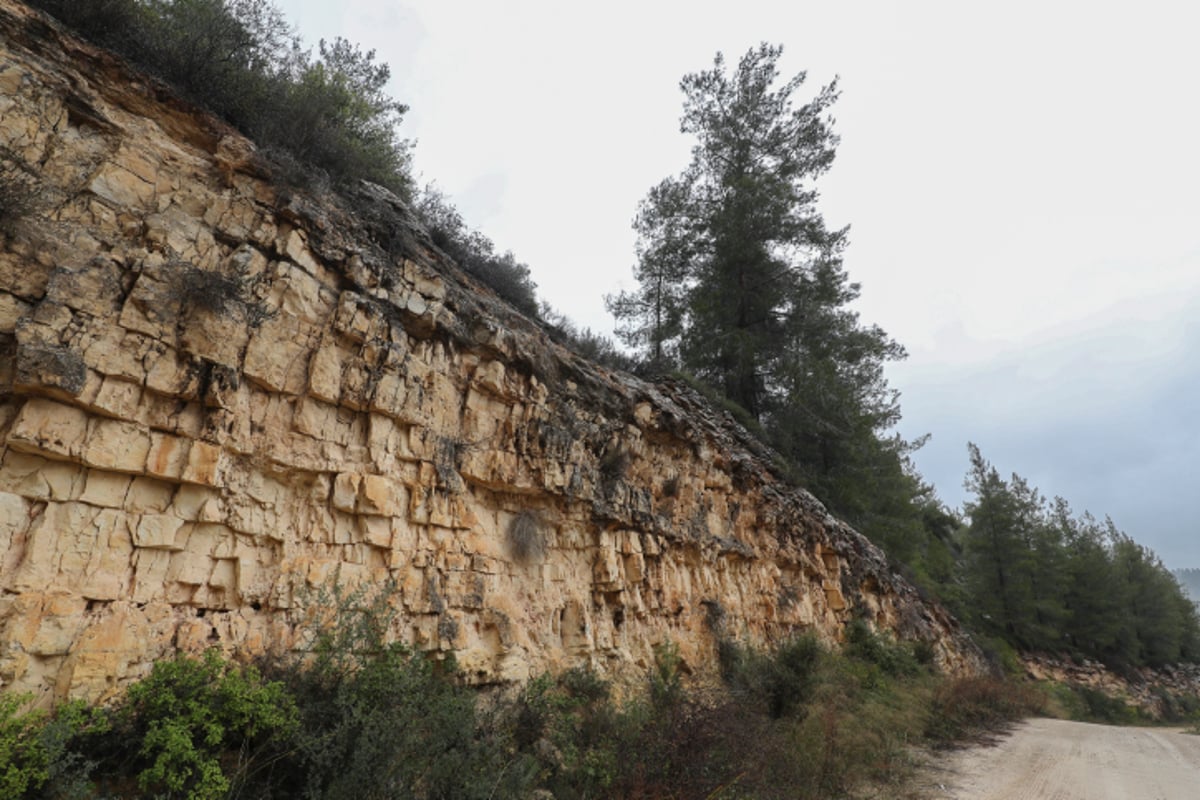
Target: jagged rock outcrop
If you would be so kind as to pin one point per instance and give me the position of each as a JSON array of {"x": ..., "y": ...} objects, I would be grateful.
[{"x": 218, "y": 395}]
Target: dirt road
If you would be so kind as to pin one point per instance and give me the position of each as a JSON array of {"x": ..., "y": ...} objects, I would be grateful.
[{"x": 1048, "y": 759}]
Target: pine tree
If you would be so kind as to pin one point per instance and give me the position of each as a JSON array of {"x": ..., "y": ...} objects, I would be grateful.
[{"x": 742, "y": 284}]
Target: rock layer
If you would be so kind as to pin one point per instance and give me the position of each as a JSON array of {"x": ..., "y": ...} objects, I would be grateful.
[{"x": 219, "y": 397}]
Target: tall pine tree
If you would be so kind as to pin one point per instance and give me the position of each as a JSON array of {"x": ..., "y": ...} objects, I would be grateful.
[{"x": 741, "y": 283}]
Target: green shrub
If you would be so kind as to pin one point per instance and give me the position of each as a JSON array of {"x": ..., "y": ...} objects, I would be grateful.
[
  {"x": 894, "y": 658},
  {"x": 475, "y": 252},
  {"x": 24, "y": 762},
  {"x": 188, "y": 714},
  {"x": 780, "y": 681},
  {"x": 378, "y": 719},
  {"x": 241, "y": 60}
]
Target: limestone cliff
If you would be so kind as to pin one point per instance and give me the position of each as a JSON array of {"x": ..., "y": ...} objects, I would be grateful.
[{"x": 218, "y": 395}]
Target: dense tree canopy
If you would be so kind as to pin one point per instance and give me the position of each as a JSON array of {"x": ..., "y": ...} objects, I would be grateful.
[{"x": 1044, "y": 579}]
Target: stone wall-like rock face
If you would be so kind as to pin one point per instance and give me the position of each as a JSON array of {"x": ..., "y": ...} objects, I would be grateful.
[{"x": 218, "y": 396}]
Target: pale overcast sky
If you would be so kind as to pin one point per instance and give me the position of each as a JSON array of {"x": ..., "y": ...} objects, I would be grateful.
[{"x": 1022, "y": 182}]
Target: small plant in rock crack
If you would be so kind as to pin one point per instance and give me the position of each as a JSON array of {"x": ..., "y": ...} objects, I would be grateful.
[
  {"x": 614, "y": 465},
  {"x": 195, "y": 288},
  {"x": 448, "y": 453},
  {"x": 18, "y": 193},
  {"x": 526, "y": 536}
]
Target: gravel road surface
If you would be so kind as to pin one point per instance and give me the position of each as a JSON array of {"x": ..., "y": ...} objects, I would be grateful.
[{"x": 1049, "y": 759}]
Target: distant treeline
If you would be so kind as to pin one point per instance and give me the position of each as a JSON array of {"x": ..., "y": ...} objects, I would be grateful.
[{"x": 1042, "y": 578}]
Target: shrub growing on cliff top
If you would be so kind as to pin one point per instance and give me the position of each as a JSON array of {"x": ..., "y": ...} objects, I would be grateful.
[{"x": 241, "y": 60}]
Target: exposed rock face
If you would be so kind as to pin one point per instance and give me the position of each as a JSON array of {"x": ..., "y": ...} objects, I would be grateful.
[
  {"x": 217, "y": 396},
  {"x": 1146, "y": 689}
]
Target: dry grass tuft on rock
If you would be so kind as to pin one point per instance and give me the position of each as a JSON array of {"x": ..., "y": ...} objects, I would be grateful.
[
  {"x": 18, "y": 193},
  {"x": 526, "y": 536}
]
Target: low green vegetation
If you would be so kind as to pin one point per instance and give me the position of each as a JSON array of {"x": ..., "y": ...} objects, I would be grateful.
[{"x": 361, "y": 718}]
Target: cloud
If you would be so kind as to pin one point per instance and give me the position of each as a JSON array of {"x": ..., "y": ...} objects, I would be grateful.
[{"x": 1104, "y": 416}]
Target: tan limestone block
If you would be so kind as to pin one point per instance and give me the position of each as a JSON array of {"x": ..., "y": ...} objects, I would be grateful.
[
  {"x": 14, "y": 519},
  {"x": 167, "y": 456},
  {"x": 170, "y": 375},
  {"x": 158, "y": 531},
  {"x": 94, "y": 288},
  {"x": 107, "y": 489},
  {"x": 490, "y": 376},
  {"x": 376, "y": 531},
  {"x": 39, "y": 478},
  {"x": 833, "y": 596},
  {"x": 193, "y": 636},
  {"x": 635, "y": 568},
  {"x": 103, "y": 553},
  {"x": 383, "y": 496},
  {"x": 197, "y": 504},
  {"x": 118, "y": 398},
  {"x": 121, "y": 187},
  {"x": 391, "y": 396},
  {"x": 11, "y": 310},
  {"x": 345, "y": 491},
  {"x": 224, "y": 574},
  {"x": 148, "y": 495},
  {"x": 60, "y": 619},
  {"x": 431, "y": 286},
  {"x": 204, "y": 464},
  {"x": 189, "y": 568},
  {"x": 294, "y": 245},
  {"x": 50, "y": 428},
  {"x": 215, "y": 336},
  {"x": 149, "y": 574},
  {"x": 117, "y": 445},
  {"x": 209, "y": 539},
  {"x": 152, "y": 306},
  {"x": 606, "y": 569},
  {"x": 325, "y": 372},
  {"x": 252, "y": 582},
  {"x": 300, "y": 295},
  {"x": 277, "y": 355}
]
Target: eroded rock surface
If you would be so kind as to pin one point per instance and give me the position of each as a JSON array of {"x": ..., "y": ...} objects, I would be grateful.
[{"x": 218, "y": 396}]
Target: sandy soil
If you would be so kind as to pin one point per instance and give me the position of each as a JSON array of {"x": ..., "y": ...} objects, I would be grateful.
[{"x": 1049, "y": 759}]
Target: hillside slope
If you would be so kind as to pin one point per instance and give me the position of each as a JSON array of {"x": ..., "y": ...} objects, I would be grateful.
[{"x": 219, "y": 396}]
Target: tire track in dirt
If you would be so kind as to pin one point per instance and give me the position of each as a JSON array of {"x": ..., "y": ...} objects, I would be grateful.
[{"x": 1050, "y": 759}]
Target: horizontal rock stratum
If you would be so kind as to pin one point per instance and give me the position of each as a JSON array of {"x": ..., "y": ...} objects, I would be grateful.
[{"x": 218, "y": 397}]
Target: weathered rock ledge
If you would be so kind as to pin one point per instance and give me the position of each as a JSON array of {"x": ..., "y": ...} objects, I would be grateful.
[{"x": 217, "y": 395}]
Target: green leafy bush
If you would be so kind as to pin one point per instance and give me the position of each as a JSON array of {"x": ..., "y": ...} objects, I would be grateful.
[
  {"x": 379, "y": 720},
  {"x": 894, "y": 658},
  {"x": 779, "y": 681},
  {"x": 40, "y": 749},
  {"x": 188, "y": 714}
]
